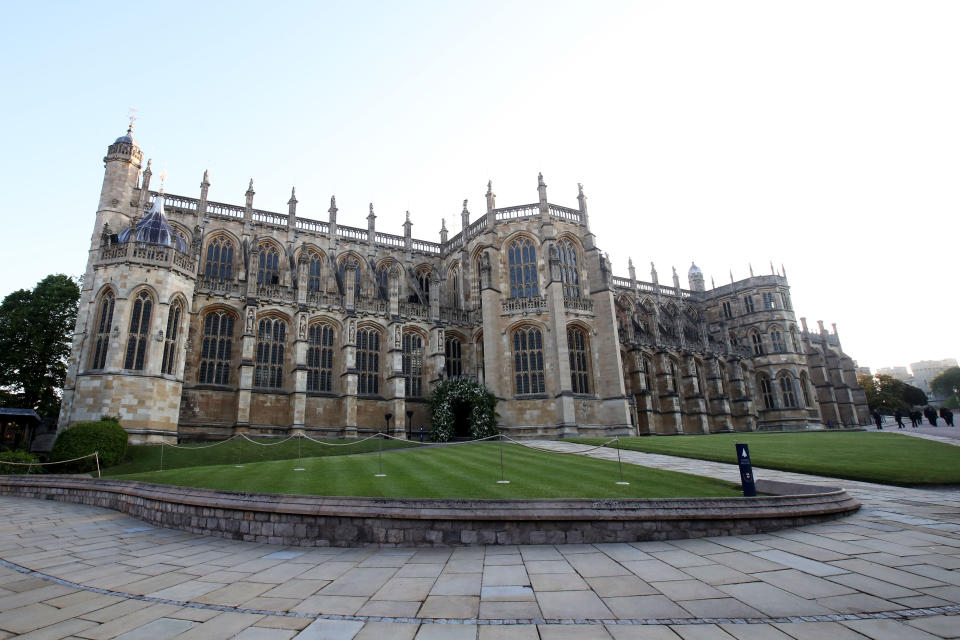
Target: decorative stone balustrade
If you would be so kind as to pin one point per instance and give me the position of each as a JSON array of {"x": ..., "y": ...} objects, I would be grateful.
[
  {"x": 458, "y": 316},
  {"x": 525, "y": 305},
  {"x": 148, "y": 253},
  {"x": 214, "y": 285},
  {"x": 371, "y": 305},
  {"x": 324, "y": 299},
  {"x": 414, "y": 310},
  {"x": 578, "y": 304},
  {"x": 276, "y": 292}
]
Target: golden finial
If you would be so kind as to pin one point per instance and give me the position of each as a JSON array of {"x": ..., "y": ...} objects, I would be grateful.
[
  {"x": 132, "y": 113},
  {"x": 163, "y": 179}
]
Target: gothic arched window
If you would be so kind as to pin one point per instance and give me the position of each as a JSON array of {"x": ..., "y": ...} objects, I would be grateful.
[
  {"x": 313, "y": 272},
  {"x": 320, "y": 358},
  {"x": 804, "y": 382},
  {"x": 219, "y": 264},
  {"x": 139, "y": 332},
  {"x": 368, "y": 361},
  {"x": 268, "y": 269},
  {"x": 170, "y": 338},
  {"x": 569, "y": 272},
  {"x": 776, "y": 338},
  {"x": 102, "y": 336},
  {"x": 787, "y": 393},
  {"x": 217, "y": 349},
  {"x": 528, "y": 361},
  {"x": 454, "y": 278},
  {"x": 766, "y": 391},
  {"x": 579, "y": 351},
  {"x": 646, "y": 368},
  {"x": 384, "y": 271},
  {"x": 423, "y": 281},
  {"x": 453, "y": 357},
  {"x": 268, "y": 366},
  {"x": 757, "y": 341},
  {"x": 412, "y": 362},
  {"x": 523, "y": 269}
]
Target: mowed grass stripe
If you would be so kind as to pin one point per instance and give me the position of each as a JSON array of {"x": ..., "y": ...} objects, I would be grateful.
[
  {"x": 886, "y": 458},
  {"x": 460, "y": 471}
]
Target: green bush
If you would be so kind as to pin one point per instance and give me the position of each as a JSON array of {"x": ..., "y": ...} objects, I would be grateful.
[
  {"x": 106, "y": 437},
  {"x": 21, "y": 456}
]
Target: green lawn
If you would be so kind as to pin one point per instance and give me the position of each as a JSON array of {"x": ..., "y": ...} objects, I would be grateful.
[
  {"x": 458, "y": 471},
  {"x": 142, "y": 458},
  {"x": 886, "y": 458}
]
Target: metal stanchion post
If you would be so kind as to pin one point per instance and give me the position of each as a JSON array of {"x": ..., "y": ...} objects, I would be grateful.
[
  {"x": 620, "y": 463},
  {"x": 386, "y": 428},
  {"x": 299, "y": 462},
  {"x": 501, "y": 480}
]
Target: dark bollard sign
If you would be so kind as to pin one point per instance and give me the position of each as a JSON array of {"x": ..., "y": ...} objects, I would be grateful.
[{"x": 746, "y": 471}]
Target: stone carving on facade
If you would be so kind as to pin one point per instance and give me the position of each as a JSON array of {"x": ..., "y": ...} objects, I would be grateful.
[
  {"x": 353, "y": 331},
  {"x": 398, "y": 337},
  {"x": 250, "y": 320},
  {"x": 303, "y": 326}
]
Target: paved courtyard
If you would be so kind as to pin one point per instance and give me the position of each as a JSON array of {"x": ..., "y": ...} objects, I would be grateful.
[{"x": 890, "y": 571}]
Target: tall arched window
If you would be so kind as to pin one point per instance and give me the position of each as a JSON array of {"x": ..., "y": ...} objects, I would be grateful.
[
  {"x": 523, "y": 269},
  {"x": 569, "y": 272},
  {"x": 776, "y": 339},
  {"x": 320, "y": 358},
  {"x": 101, "y": 341},
  {"x": 219, "y": 259},
  {"x": 313, "y": 272},
  {"x": 454, "y": 278},
  {"x": 268, "y": 270},
  {"x": 701, "y": 383},
  {"x": 217, "y": 349},
  {"x": 268, "y": 366},
  {"x": 804, "y": 394},
  {"x": 579, "y": 352},
  {"x": 787, "y": 393},
  {"x": 423, "y": 280},
  {"x": 646, "y": 368},
  {"x": 757, "y": 341},
  {"x": 412, "y": 363},
  {"x": 453, "y": 357},
  {"x": 368, "y": 361},
  {"x": 383, "y": 280},
  {"x": 171, "y": 337},
  {"x": 794, "y": 340},
  {"x": 766, "y": 391},
  {"x": 528, "y": 360},
  {"x": 139, "y": 332}
]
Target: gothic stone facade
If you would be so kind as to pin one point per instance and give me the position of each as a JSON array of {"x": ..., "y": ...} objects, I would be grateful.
[{"x": 201, "y": 319}]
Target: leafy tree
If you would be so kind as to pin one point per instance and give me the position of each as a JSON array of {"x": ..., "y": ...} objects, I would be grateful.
[
  {"x": 886, "y": 393},
  {"x": 35, "y": 328},
  {"x": 946, "y": 383}
]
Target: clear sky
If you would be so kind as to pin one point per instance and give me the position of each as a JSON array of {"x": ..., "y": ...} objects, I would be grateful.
[{"x": 824, "y": 136}]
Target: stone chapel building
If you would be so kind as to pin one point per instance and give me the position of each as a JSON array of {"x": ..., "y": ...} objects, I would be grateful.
[{"x": 200, "y": 319}]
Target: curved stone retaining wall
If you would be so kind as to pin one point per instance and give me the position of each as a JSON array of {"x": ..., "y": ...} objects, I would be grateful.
[{"x": 329, "y": 521}]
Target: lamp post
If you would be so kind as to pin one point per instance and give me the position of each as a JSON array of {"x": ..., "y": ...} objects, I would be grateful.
[
  {"x": 409, "y": 425},
  {"x": 386, "y": 417}
]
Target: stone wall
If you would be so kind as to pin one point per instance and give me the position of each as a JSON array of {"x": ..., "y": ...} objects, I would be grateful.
[{"x": 330, "y": 521}]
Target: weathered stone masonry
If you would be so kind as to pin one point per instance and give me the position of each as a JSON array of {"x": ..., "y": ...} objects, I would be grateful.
[{"x": 200, "y": 319}]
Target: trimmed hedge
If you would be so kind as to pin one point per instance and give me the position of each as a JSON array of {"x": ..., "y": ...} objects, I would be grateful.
[
  {"x": 19, "y": 456},
  {"x": 106, "y": 437}
]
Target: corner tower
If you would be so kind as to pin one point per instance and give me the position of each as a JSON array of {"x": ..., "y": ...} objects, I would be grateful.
[{"x": 129, "y": 343}]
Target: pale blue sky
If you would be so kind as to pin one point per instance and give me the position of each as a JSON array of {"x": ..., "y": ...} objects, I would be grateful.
[{"x": 820, "y": 135}]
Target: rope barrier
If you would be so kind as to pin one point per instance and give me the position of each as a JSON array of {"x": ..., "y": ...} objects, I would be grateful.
[
  {"x": 266, "y": 444},
  {"x": 43, "y": 464},
  {"x": 335, "y": 444},
  {"x": 202, "y": 446},
  {"x": 577, "y": 452}
]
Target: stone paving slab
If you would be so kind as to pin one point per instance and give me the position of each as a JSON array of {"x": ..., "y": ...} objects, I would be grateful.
[{"x": 890, "y": 570}]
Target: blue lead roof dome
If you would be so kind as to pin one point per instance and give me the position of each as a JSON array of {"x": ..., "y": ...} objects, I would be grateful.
[
  {"x": 155, "y": 229},
  {"x": 127, "y": 137}
]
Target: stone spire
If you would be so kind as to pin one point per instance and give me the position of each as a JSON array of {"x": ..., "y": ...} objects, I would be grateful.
[
  {"x": 491, "y": 197},
  {"x": 676, "y": 279},
  {"x": 541, "y": 188},
  {"x": 292, "y": 202},
  {"x": 631, "y": 270},
  {"x": 465, "y": 218},
  {"x": 443, "y": 231},
  {"x": 653, "y": 274},
  {"x": 250, "y": 193}
]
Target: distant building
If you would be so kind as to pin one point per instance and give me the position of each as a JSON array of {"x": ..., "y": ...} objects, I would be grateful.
[
  {"x": 200, "y": 319},
  {"x": 926, "y": 370},
  {"x": 864, "y": 371},
  {"x": 900, "y": 373}
]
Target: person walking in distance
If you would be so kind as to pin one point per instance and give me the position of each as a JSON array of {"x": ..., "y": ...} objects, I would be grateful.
[
  {"x": 878, "y": 419},
  {"x": 899, "y": 416},
  {"x": 931, "y": 415},
  {"x": 947, "y": 416}
]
